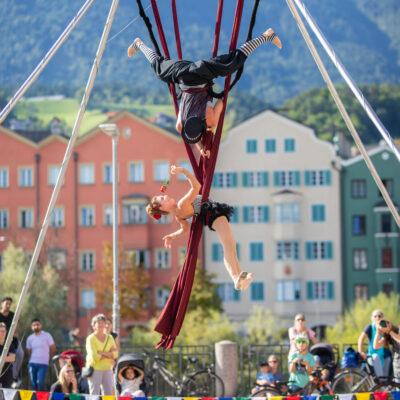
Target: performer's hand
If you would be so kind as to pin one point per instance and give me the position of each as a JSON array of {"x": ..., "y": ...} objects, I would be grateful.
[
  {"x": 176, "y": 170},
  {"x": 205, "y": 153},
  {"x": 167, "y": 241}
]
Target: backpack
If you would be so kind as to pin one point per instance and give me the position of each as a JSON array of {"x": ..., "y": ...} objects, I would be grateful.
[{"x": 350, "y": 358}]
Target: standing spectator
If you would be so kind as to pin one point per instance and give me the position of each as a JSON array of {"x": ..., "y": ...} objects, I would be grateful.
[
  {"x": 109, "y": 331},
  {"x": 300, "y": 327},
  {"x": 7, "y": 316},
  {"x": 6, "y": 376},
  {"x": 40, "y": 348},
  {"x": 394, "y": 339},
  {"x": 100, "y": 354},
  {"x": 379, "y": 355}
]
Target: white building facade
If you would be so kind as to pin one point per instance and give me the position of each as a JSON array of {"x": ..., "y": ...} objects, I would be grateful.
[{"x": 285, "y": 186}]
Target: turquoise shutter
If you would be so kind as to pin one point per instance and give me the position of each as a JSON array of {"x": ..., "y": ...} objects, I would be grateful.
[
  {"x": 310, "y": 290},
  {"x": 245, "y": 180},
  {"x": 297, "y": 178},
  {"x": 331, "y": 294},
  {"x": 314, "y": 216},
  {"x": 266, "y": 214},
  {"x": 260, "y": 251},
  {"x": 215, "y": 251},
  {"x": 307, "y": 178},
  {"x": 265, "y": 178},
  {"x": 234, "y": 179},
  {"x": 277, "y": 181},
  {"x": 329, "y": 250},
  {"x": 238, "y": 250},
  {"x": 214, "y": 181},
  {"x": 236, "y": 294},
  {"x": 252, "y": 252},
  {"x": 327, "y": 177},
  {"x": 235, "y": 215},
  {"x": 322, "y": 212},
  {"x": 273, "y": 143},
  {"x": 245, "y": 214},
  {"x": 309, "y": 250}
]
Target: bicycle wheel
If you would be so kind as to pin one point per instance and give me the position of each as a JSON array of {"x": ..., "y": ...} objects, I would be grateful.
[
  {"x": 350, "y": 382},
  {"x": 388, "y": 386},
  {"x": 204, "y": 384},
  {"x": 266, "y": 392}
]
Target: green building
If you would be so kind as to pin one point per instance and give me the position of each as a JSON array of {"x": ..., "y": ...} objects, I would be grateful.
[{"x": 371, "y": 239}]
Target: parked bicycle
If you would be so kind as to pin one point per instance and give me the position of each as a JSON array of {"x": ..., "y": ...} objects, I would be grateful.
[
  {"x": 195, "y": 382},
  {"x": 317, "y": 385}
]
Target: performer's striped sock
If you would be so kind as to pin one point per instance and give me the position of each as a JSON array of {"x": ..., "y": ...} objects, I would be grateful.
[
  {"x": 149, "y": 53},
  {"x": 248, "y": 47}
]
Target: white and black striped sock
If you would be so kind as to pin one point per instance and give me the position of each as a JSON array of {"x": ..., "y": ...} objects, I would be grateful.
[
  {"x": 149, "y": 53},
  {"x": 248, "y": 47}
]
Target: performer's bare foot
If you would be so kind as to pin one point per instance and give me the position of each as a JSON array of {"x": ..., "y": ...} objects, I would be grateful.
[
  {"x": 272, "y": 37},
  {"x": 243, "y": 281},
  {"x": 134, "y": 47}
]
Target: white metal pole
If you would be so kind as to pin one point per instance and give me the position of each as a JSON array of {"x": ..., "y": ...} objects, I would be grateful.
[
  {"x": 343, "y": 111},
  {"x": 45, "y": 60},
  {"x": 346, "y": 76},
  {"x": 60, "y": 179}
]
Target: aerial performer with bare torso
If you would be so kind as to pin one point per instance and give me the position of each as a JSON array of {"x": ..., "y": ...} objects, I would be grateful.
[{"x": 196, "y": 111}]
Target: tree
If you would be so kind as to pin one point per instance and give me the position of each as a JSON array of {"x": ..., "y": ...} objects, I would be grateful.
[
  {"x": 133, "y": 281},
  {"x": 46, "y": 297}
]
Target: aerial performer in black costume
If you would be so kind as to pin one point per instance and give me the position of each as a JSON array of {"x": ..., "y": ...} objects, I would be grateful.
[{"x": 196, "y": 111}]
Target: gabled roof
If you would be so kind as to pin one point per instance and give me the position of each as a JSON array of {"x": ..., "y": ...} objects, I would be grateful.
[
  {"x": 376, "y": 150},
  {"x": 37, "y": 136}
]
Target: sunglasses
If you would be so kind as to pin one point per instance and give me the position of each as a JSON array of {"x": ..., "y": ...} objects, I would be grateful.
[
  {"x": 300, "y": 319},
  {"x": 301, "y": 341},
  {"x": 273, "y": 361}
]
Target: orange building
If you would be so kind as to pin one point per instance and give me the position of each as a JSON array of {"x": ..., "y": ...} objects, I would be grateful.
[{"x": 82, "y": 219}]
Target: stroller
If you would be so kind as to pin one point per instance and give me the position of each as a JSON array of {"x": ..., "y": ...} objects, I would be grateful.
[
  {"x": 77, "y": 360},
  {"x": 327, "y": 357},
  {"x": 130, "y": 360}
]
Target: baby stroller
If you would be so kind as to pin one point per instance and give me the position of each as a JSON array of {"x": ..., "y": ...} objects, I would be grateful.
[
  {"x": 325, "y": 356},
  {"x": 77, "y": 360},
  {"x": 129, "y": 360}
]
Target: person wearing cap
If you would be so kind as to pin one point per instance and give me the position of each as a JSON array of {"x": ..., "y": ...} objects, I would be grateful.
[
  {"x": 195, "y": 79},
  {"x": 264, "y": 377},
  {"x": 215, "y": 215},
  {"x": 300, "y": 327},
  {"x": 301, "y": 364}
]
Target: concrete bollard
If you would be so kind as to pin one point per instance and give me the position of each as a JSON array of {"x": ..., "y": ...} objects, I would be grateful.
[{"x": 226, "y": 365}]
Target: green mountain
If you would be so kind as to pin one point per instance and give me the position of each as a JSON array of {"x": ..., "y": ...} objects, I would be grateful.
[{"x": 365, "y": 34}]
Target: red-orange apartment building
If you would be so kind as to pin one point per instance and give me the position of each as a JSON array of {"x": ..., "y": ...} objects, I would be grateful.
[{"x": 82, "y": 219}]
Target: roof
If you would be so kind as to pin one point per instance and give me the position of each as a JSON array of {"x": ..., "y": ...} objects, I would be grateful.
[{"x": 36, "y": 136}]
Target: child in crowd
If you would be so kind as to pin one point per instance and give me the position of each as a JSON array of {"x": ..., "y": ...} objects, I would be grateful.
[
  {"x": 301, "y": 364},
  {"x": 264, "y": 377},
  {"x": 131, "y": 378}
]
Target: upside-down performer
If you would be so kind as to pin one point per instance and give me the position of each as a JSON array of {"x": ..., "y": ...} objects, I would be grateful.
[
  {"x": 215, "y": 215},
  {"x": 196, "y": 111}
]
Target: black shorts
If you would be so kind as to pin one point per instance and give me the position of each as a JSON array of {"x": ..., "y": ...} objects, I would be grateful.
[{"x": 211, "y": 210}]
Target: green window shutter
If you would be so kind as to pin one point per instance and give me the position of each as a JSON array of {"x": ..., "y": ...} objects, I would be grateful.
[
  {"x": 314, "y": 216},
  {"x": 234, "y": 179},
  {"x": 277, "y": 181},
  {"x": 245, "y": 214},
  {"x": 307, "y": 178},
  {"x": 329, "y": 250},
  {"x": 265, "y": 213},
  {"x": 245, "y": 179},
  {"x": 273, "y": 145},
  {"x": 215, "y": 251},
  {"x": 322, "y": 212},
  {"x": 310, "y": 294},
  {"x": 214, "y": 181},
  {"x": 331, "y": 293},
  {"x": 297, "y": 178},
  {"x": 236, "y": 294},
  {"x": 260, "y": 252},
  {"x": 327, "y": 177},
  {"x": 252, "y": 251},
  {"x": 235, "y": 216},
  {"x": 238, "y": 250},
  {"x": 309, "y": 251},
  {"x": 265, "y": 181}
]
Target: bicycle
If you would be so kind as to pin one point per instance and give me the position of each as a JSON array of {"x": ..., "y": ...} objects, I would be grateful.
[
  {"x": 317, "y": 385},
  {"x": 194, "y": 382}
]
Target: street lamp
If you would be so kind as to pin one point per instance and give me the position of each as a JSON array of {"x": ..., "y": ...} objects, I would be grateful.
[{"x": 113, "y": 131}]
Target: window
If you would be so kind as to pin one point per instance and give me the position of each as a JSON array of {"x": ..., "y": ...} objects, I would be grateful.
[
  {"x": 388, "y": 185},
  {"x": 161, "y": 171},
  {"x": 256, "y": 251},
  {"x": 163, "y": 259},
  {"x": 217, "y": 252},
  {"x": 26, "y": 218},
  {"x": 3, "y": 177},
  {"x": 87, "y": 260},
  {"x": 108, "y": 215},
  {"x": 107, "y": 173},
  {"x": 359, "y": 226},
  {"x": 134, "y": 214},
  {"x": 387, "y": 288},
  {"x": 251, "y": 146},
  {"x": 257, "y": 291},
  {"x": 361, "y": 292},
  {"x": 181, "y": 256},
  {"x": 87, "y": 216},
  {"x": 360, "y": 260},
  {"x": 255, "y": 179},
  {"x": 25, "y": 176},
  {"x": 53, "y": 174},
  {"x": 3, "y": 219},
  {"x": 57, "y": 217},
  {"x": 88, "y": 299},
  {"x": 136, "y": 172},
  {"x": 225, "y": 180},
  {"x": 57, "y": 259},
  {"x": 318, "y": 213},
  {"x": 387, "y": 258},
  {"x": 290, "y": 145},
  {"x": 86, "y": 174},
  {"x": 317, "y": 177},
  {"x": 286, "y": 178},
  {"x": 270, "y": 146},
  {"x": 138, "y": 257},
  {"x": 185, "y": 164},
  {"x": 320, "y": 290},
  {"x": 255, "y": 214},
  {"x": 227, "y": 292},
  {"x": 287, "y": 213},
  {"x": 358, "y": 188},
  {"x": 288, "y": 290},
  {"x": 161, "y": 296},
  {"x": 319, "y": 250},
  {"x": 163, "y": 220},
  {"x": 287, "y": 250},
  {"x": 386, "y": 223}
]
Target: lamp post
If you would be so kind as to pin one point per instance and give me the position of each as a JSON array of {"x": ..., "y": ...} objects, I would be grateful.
[{"x": 113, "y": 131}]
